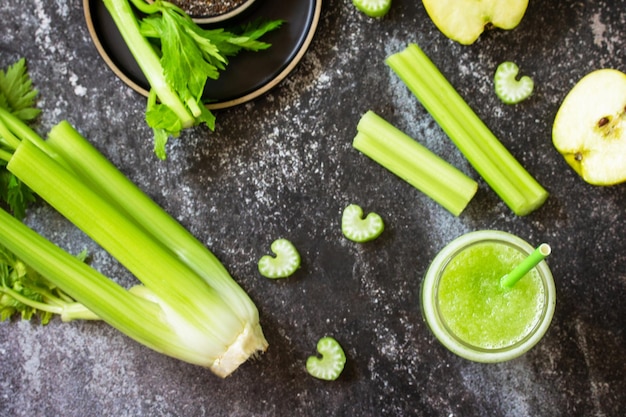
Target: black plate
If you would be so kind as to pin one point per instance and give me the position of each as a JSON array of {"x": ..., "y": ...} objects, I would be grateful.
[{"x": 248, "y": 75}]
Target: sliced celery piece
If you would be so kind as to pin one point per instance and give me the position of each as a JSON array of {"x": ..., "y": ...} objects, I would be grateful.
[
  {"x": 414, "y": 163},
  {"x": 359, "y": 229},
  {"x": 332, "y": 362},
  {"x": 506, "y": 176},
  {"x": 284, "y": 264},
  {"x": 373, "y": 8},
  {"x": 507, "y": 87}
]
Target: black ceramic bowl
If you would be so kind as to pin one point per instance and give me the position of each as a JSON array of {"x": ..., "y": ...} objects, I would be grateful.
[{"x": 248, "y": 75}]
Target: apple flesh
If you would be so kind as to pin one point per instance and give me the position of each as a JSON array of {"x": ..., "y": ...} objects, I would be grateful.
[
  {"x": 465, "y": 20},
  {"x": 590, "y": 127}
]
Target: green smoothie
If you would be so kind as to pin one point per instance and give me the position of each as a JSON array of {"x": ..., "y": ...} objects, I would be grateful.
[
  {"x": 470, "y": 288},
  {"x": 471, "y": 313}
]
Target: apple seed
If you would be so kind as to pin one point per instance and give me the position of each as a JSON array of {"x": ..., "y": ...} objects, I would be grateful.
[{"x": 604, "y": 121}]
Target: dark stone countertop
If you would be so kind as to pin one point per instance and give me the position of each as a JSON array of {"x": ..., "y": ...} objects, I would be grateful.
[{"x": 283, "y": 165}]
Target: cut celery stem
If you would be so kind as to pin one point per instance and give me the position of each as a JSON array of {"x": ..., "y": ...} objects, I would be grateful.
[
  {"x": 147, "y": 59},
  {"x": 330, "y": 365},
  {"x": 150, "y": 261},
  {"x": 504, "y": 174},
  {"x": 102, "y": 175},
  {"x": 285, "y": 262},
  {"x": 414, "y": 163},
  {"x": 358, "y": 228}
]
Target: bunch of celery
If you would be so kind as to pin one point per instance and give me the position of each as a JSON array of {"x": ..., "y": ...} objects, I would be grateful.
[
  {"x": 187, "y": 306},
  {"x": 177, "y": 57}
]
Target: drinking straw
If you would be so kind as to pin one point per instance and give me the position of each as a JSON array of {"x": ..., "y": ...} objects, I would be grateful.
[{"x": 525, "y": 266}]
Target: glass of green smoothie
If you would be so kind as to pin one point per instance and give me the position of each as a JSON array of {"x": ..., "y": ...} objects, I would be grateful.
[{"x": 468, "y": 309}]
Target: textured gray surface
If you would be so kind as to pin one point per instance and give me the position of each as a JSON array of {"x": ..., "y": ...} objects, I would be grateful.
[{"x": 283, "y": 166}]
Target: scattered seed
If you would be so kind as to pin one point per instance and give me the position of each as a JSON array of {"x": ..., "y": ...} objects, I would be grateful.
[
  {"x": 206, "y": 8},
  {"x": 603, "y": 122}
]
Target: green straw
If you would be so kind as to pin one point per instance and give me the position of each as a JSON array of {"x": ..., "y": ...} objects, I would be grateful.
[{"x": 525, "y": 266}]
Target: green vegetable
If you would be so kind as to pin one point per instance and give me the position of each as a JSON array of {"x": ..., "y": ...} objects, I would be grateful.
[
  {"x": 373, "y": 8},
  {"x": 509, "y": 89},
  {"x": 17, "y": 96},
  {"x": 359, "y": 229},
  {"x": 186, "y": 55},
  {"x": 284, "y": 264},
  {"x": 187, "y": 306},
  {"x": 331, "y": 363},
  {"x": 26, "y": 292},
  {"x": 508, "y": 178},
  {"x": 414, "y": 163}
]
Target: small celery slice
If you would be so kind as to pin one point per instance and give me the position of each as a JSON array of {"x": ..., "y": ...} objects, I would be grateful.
[
  {"x": 373, "y": 8},
  {"x": 284, "y": 264},
  {"x": 508, "y": 88},
  {"x": 359, "y": 229},
  {"x": 506, "y": 176},
  {"x": 414, "y": 163},
  {"x": 332, "y": 362}
]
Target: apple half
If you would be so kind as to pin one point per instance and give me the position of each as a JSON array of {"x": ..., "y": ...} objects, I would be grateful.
[
  {"x": 465, "y": 20},
  {"x": 590, "y": 127}
]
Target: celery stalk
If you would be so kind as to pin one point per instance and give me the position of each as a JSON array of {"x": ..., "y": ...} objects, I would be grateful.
[
  {"x": 133, "y": 316},
  {"x": 414, "y": 163},
  {"x": 147, "y": 58},
  {"x": 196, "y": 308},
  {"x": 506, "y": 176},
  {"x": 200, "y": 317},
  {"x": 178, "y": 56},
  {"x": 101, "y": 174}
]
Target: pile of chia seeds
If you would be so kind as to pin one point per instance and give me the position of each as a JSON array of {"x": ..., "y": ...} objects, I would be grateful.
[{"x": 207, "y": 8}]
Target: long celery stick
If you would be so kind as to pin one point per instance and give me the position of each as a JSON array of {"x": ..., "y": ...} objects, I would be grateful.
[
  {"x": 146, "y": 57},
  {"x": 101, "y": 174},
  {"x": 482, "y": 137},
  {"x": 414, "y": 163},
  {"x": 506, "y": 176},
  {"x": 81, "y": 281},
  {"x": 150, "y": 261}
]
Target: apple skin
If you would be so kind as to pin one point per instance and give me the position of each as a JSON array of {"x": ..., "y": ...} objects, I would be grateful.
[
  {"x": 590, "y": 127},
  {"x": 465, "y": 20}
]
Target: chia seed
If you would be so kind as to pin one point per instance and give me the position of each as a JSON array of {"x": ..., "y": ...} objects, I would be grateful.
[{"x": 207, "y": 8}]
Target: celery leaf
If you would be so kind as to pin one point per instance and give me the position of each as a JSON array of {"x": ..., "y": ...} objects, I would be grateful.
[
  {"x": 17, "y": 96},
  {"x": 15, "y": 194},
  {"x": 25, "y": 292},
  {"x": 17, "y": 281}
]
